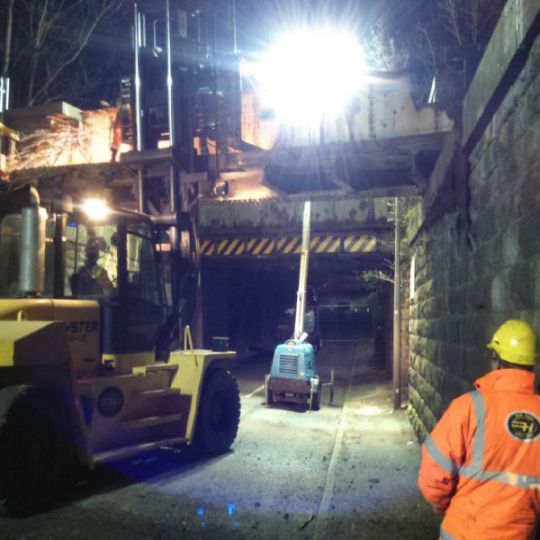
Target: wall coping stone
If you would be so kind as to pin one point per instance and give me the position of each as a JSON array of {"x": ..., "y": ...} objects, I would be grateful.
[{"x": 507, "y": 50}]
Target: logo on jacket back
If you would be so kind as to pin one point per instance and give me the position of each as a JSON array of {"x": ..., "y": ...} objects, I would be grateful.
[{"x": 523, "y": 426}]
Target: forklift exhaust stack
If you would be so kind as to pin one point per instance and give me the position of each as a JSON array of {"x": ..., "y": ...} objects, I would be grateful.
[{"x": 32, "y": 268}]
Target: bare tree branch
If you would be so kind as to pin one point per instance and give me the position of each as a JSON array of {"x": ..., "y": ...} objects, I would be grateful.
[
  {"x": 449, "y": 6},
  {"x": 382, "y": 50},
  {"x": 49, "y": 37},
  {"x": 432, "y": 53},
  {"x": 474, "y": 17},
  {"x": 108, "y": 6}
]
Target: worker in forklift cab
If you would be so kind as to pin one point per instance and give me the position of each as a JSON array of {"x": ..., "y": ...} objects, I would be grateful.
[
  {"x": 91, "y": 279},
  {"x": 481, "y": 463}
]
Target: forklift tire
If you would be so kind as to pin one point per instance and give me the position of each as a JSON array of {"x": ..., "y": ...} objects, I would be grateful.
[
  {"x": 219, "y": 413},
  {"x": 33, "y": 459}
]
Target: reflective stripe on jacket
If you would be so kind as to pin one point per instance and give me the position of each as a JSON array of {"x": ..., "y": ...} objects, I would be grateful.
[{"x": 481, "y": 463}]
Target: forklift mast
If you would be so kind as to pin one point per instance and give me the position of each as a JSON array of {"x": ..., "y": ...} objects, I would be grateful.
[{"x": 185, "y": 100}]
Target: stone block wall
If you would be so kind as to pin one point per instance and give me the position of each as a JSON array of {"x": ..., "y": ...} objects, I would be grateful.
[
  {"x": 478, "y": 262},
  {"x": 404, "y": 329}
]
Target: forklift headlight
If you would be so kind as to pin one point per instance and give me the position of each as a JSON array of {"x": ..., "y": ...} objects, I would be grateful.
[{"x": 95, "y": 209}]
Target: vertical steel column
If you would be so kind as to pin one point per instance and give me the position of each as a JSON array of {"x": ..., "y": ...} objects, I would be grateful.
[
  {"x": 216, "y": 98},
  {"x": 138, "y": 84},
  {"x": 235, "y": 36},
  {"x": 4, "y": 95},
  {"x": 238, "y": 88},
  {"x": 174, "y": 188},
  {"x": 137, "y": 40},
  {"x": 174, "y": 180},
  {"x": 4, "y": 105},
  {"x": 170, "y": 100},
  {"x": 396, "y": 367}
]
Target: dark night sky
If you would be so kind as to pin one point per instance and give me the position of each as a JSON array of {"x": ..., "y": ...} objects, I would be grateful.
[
  {"x": 257, "y": 20},
  {"x": 110, "y": 53}
]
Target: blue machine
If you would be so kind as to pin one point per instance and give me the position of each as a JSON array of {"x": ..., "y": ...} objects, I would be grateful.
[{"x": 292, "y": 376}]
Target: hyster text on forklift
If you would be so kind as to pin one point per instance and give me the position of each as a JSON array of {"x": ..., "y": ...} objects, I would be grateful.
[{"x": 86, "y": 374}]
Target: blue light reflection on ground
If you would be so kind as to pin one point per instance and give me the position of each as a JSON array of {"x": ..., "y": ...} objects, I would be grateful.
[
  {"x": 222, "y": 504},
  {"x": 203, "y": 518},
  {"x": 201, "y": 511},
  {"x": 161, "y": 470}
]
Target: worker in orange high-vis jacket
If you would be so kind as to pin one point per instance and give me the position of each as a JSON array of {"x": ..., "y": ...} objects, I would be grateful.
[{"x": 481, "y": 463}]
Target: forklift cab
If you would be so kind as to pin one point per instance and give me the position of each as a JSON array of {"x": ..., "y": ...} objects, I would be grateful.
[
  {"x": 109, "y": 259},
  {"x": 126, "y": 280}
]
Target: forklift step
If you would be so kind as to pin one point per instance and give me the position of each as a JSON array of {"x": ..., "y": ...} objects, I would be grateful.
[
  {"x": 159, "y": 392},
  {"x": 126, "y": 451},
  {"x": 153, "y": 368},
  {"x": 149, "y": 421}
]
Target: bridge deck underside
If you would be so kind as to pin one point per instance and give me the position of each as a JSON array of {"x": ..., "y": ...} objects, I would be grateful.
[{"x": 383, "y": 167}]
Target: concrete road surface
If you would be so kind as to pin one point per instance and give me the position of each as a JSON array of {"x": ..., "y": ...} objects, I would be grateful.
[{"x": 346, "y": 471}]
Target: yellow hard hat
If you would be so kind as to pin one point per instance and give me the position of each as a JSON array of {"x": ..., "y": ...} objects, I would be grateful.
[{"x": 516, "y": 342}]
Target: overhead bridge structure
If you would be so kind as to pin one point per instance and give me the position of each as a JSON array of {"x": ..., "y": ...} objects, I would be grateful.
[
  {"x": 272, "y": 229},
  {"x": 384, "y": 146},
  {"x": 248, "y": 197}
]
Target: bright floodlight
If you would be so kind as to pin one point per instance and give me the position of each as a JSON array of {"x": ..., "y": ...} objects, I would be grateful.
[
  {"x": 95, "y": 209},
  {"x": 313, "y": 73}
]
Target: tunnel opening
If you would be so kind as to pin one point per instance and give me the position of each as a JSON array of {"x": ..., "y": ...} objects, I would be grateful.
[{"x": 252, "y": 302}]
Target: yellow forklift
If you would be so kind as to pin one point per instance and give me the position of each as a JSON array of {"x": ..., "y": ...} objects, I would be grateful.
[
  {"x": 86, "y": 371},
  {"x": 90, "y": 305}
]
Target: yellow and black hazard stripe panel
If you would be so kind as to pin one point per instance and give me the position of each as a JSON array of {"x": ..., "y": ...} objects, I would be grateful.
[
  {"x": 291, "y": 245},
  {"x": 361, "y": 243},
  {"x": 288, "y": 245}
]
